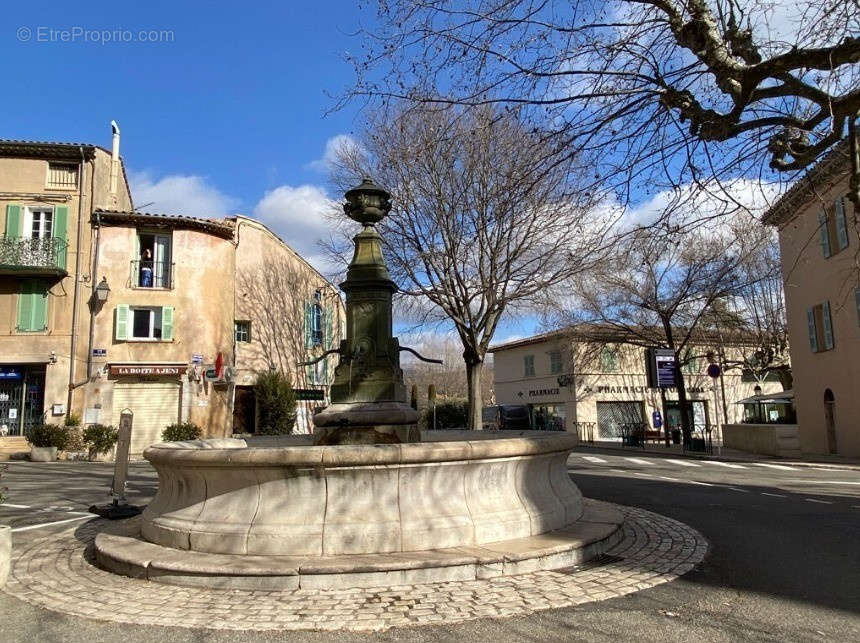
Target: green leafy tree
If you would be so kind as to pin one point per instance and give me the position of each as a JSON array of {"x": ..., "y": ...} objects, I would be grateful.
[{"x": 276, "y": 403}]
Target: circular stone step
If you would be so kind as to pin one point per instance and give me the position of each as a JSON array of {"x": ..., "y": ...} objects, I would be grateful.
[{"x": 120, "y": 549}]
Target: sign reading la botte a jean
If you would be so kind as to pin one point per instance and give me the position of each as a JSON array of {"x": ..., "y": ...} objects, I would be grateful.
[{"x": 148, "y": 369}]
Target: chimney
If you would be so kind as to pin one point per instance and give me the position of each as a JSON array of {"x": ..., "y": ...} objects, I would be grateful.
[{"x": 114, "y": 164}]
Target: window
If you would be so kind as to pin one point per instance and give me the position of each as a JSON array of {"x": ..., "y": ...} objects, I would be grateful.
[
  {"x": 556, "y": 365},
  {"x": 242, "y": 331},
  {"x": 62, "y": 176},
  {"x": 529, "y": 365},
  {"x": 143, "y": 323},
  {"x": 32, "y": 306},
  {"x": 38, "y": 223},
  {"x": 152, "y": 266},
  {"x": 833, "y": 229},
  {"x": 820, "y": 328},
  {"x": 609, "y": 359},
  {"x": 317, "y": 323}
]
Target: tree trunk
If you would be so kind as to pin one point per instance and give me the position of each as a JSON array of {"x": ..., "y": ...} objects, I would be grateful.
[
  {"x": 474, "y": 368},
  {"x": 686, "y": 424}
]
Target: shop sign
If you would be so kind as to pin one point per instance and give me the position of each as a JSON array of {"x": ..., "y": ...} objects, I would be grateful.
[
  {"x": 147, "y": 370},
  {"x": 664, "y": 367},
  {"x": 543, "y": 391},
  {"x": 7, "y": 373},
  {"x": 310, "y": 394}
]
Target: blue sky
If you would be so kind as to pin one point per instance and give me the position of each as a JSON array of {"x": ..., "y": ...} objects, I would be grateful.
[{"x": 224, "y": 113}]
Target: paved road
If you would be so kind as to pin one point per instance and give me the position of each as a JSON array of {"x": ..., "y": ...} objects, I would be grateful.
[{"x": 784, "y": 563}]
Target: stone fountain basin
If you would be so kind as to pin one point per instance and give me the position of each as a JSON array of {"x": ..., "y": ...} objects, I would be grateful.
[
  {"x": 282, "y": 513},
  {"x": 226, "y": 498}
]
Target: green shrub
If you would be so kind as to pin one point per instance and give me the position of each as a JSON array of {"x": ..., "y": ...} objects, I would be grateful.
[
  {"x": 100, "y": 438},
  {"x": 181, "y": 431},
  {"x": 451, "y": 413},
  {"x": 48, "y": 435},
  {"x": 276, "y": 403},
  {"x": 73, "y": 419}
]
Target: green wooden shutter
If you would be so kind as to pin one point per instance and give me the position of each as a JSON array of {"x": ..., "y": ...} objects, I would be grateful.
[
  {"x": 810, "y": 325},
  {"x": 121, "y": 326},
  {"x": 324, "y": 371},
  {"x": 40, "y": 305},
  {"x": 13, "y": 220},
  {"x": 61, "y": 234},
  {"x": 25, "y": 305},
  {"x": 327, "y": 325},
  {"x": 32, "y": 306},
  {"x": 823, "y": 235},
  {"x": 309, "y": 325},
  {"x": 841, "y": 227},
  {"x": 828, "y": 326},
  {"x": 309, "y": 375},
  {"x": 167, "y": 322}
]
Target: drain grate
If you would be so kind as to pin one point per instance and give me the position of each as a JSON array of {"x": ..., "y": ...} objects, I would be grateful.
[{"x": 594, "y": 563}]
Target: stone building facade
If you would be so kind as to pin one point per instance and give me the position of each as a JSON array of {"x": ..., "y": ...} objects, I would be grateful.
[
  {"x": 103, "y": 308},
  {"x": 595, "y": 388},
  {"x": 818, "y": 236}
]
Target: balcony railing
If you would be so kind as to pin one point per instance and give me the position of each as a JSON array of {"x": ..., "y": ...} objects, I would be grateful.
[
  {"x": 151, "y": 274},
  {"x": 33, "y": 256}
]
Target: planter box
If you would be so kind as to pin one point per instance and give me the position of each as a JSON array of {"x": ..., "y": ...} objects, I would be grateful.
[
  {"x": 782, "y": 440},
  {"x": 5, "y": 553},
  {"x": 43, "y": 454}
]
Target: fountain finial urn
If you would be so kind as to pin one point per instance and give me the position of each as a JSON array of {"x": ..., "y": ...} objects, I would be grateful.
[{"x": 367, "y": 203}]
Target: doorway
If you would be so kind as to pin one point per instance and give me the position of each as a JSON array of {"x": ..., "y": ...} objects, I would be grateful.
[{"x": 830, "y": 420}]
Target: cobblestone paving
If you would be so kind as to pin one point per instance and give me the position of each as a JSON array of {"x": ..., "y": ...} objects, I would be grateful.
[{"x": 58, "y": 573}]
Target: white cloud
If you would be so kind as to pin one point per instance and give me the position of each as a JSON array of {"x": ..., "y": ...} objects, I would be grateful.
[
  {"x": 297, "y": 215},
  {"x": 190, "y": 195},
  {"x": 332, "y": 147}
]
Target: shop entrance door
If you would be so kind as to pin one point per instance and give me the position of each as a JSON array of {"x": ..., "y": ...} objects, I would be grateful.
[{"x": 22, "y": 399}]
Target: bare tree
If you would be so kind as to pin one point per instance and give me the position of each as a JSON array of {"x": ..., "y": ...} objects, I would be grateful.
[
  {"x": 657, "y": 291},
  {"x": 651, "y": 94},
  {"x": 481, "y": 224},
  {"x": 757, "y": 310}
]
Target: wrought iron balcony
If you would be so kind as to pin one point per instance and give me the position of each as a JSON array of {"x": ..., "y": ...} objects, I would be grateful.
[
  {"x": 151, "y": 274},
  {"x": 22, "y": 256}
]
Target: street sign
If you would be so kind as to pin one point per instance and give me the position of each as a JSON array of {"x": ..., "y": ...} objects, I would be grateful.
[
  {"x": 310, "y": 394},
  {"x": 714, "y": 370},
  {"x": 664, "y": 367}
]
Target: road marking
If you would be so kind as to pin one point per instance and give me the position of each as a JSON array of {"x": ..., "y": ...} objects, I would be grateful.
[
  {"x": 9, "y": 504},
  {"x": 773, "y": 466},
  {"x": 820, "y": 502},
  {"x": 618, "y": 470},
  {"x": 668, "y": 478},
  {"x": 51, "y": 524},
  {"x": 773, "y": 495},
  {"x": 639, "y": 461},
  {"x": 704, "y": 484},
  {"x": 826, "y": 481},
  {"x": 736, "y": 489},
  {"x": 726, "y": 464},
  {"x": 592, "y": 458},
  {"x": 683, "y": 463}
]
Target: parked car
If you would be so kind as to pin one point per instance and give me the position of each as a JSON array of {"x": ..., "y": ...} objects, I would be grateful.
[{"x": 506, "y": 417}]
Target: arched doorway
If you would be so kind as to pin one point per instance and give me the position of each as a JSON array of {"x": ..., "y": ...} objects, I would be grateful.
[{"x": 829, "y": 420}]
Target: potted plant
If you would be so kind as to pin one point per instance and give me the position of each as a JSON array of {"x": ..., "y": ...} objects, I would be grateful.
[
  {"x": 5, "y": 539},
  {"x": 45, "y": 441},
  {"x": 180, "y": 432},
  {"x": 100, "y": 440}
]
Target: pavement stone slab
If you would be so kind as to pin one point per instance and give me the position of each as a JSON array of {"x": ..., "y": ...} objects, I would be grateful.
[{"x": 58, "y": 572}]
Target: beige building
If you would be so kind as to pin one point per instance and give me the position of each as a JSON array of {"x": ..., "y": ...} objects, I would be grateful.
[
  {"x": 598, "y": 388},
  {"x": 175, "y": 314},
  {"x": 818, "y": 236}
]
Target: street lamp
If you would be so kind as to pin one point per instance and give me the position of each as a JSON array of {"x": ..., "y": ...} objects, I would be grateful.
[{"x": 102, "y": 290}]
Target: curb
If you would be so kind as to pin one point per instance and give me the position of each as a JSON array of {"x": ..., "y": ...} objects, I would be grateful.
[{"x": 835, "y": 466}]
